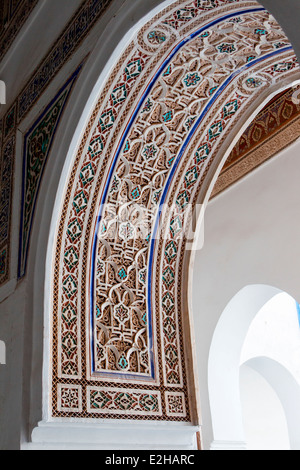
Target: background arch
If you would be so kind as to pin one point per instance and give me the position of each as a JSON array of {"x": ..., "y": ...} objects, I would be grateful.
[
  {"x": 224, "y": 363},
  {"x": 287, "y": 389}
]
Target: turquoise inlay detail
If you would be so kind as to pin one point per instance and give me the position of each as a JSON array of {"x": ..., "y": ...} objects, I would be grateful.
[
  {"x": 283, "y": 67},
  {"x": 87, "y": 174},
  {"x": 107, "y": 120},
  {"x": 190, "y": 122},
  {"x": 215, "y": 130},
  {"x": 212, "y": 90},
  {"x": 192, "y": 79},
  {"x": 183, "y": 200},
  {"x": 176, "y": 226},
  {"x": 156, "y": 37},
  {"x": 122, "y": 274},
  {"x": 133, "y": 69},
  {"x": 236, "y": 20},
  {"x": 279, "y": 45},
  {"x": 191, "y": 177},
  {"x": 71, "y": 258},
  {"x": 80, "y": 202},
  {"x": 168, "y": 71},
  {"x": 230, "y": 108},
  {"x": 253, "y": 82},
  {"x": 202, "y": 153},
  {"x": 261, "y": 32},
  {"x": 123, "y": 363},
  {"x": 226, "y": 48},
  {"x": 171, "y": 251},
  {"x": 149, "y": 152},
  {"x": 98, "y": 314},
  {"x": 171, "y": 160},
  {"x": 135, "y": 193},
  {"x": 119, "y": 95},
  {"x": 96, "y": 147},
  {"x": 168, "y": 277},
  {"x": 168, "y": 116},
  {"x": 103, "y": 228}
]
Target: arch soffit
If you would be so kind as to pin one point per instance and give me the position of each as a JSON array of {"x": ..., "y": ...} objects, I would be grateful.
[{"x": 156, "y": 135}]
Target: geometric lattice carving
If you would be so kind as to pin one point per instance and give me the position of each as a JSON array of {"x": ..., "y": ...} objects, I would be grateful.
[{"x": 162, "y": 117}]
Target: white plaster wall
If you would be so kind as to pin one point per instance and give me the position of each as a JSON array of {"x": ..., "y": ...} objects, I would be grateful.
[
  {"x": 252, "y": 234},
  {"x": 11, "y": 373},
  {"x": 275, "y": 333}
]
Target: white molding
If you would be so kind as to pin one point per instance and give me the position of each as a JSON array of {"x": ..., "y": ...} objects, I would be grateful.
[{"x": 112, "y": 435}]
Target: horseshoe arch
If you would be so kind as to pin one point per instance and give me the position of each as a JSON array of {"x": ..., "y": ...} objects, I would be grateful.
[{"x": 167, "y": 117}]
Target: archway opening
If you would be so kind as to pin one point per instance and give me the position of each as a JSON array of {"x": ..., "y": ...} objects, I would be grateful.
[
  {"x": 253, "y": 372},
  {"x": 263, "y": 415},
  {"x": 77, "y": 391}
]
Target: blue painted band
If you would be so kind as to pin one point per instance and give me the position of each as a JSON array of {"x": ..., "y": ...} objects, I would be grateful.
[
  {"x": 183, "y": 148},
  {"x": 116, "y": 157}
]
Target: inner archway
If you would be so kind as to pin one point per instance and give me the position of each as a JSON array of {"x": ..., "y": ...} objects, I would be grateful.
[
  {"x": 259, "y": 320},
  {"x": 224, "y": 364},
  {"x": 264, "y": 419},
  {"x": 251, "y": 235}
]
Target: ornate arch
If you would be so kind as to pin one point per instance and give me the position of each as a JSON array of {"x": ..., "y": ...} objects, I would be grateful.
[{"x": 167, "y": 117}]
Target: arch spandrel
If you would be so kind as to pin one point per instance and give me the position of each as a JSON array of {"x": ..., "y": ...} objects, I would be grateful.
[{"x": 177, "y": 92}]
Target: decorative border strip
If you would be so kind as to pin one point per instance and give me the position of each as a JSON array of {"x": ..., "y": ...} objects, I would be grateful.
[
  {"x": 14, "y": 25},
  {"x": 6, "y": 186},
  {"x": 40, "y": 154},
  {"x": 76, "y": 31},
  {"x": 70, "y": 40},
  {"x": 258, "y": 155},
  {"x": 118, "y": 401}
]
